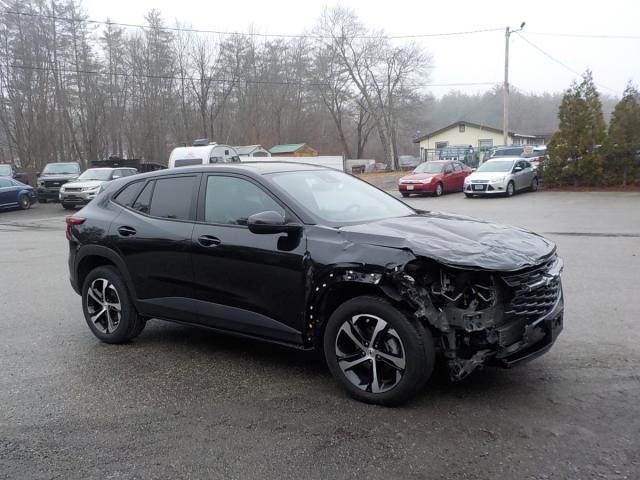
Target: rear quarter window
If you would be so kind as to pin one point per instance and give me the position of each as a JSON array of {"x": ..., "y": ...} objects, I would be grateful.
[{"x": 128, "y": 194}]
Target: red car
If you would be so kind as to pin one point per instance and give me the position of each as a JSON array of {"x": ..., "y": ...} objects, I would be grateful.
[{"x": 435, "y": 178}]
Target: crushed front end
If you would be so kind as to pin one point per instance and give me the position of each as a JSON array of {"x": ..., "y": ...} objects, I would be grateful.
[{"x": 483, "y": 317}]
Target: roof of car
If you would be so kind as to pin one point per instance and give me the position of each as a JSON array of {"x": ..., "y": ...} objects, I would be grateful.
[
  {"x": 257, "y": 168},
  {"x": 503, "y": 158}
]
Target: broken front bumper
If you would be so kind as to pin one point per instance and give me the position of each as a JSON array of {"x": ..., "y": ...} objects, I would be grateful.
[{"x": 538, "y": 338}]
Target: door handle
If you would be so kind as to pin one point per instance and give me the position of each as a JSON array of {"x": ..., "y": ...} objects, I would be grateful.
[
  {"x": 208, "y": 241},
  {"x": 125, "y": 231}
]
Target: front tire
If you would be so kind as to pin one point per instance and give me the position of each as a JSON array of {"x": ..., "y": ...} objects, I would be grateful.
[
  {"x": 107, "y": 306},
  {"x": 24, "y": 202},
  {"x": 376, "y": 353},
  {"x": 68, "y": 206},
  {"x": 42, "y": 200},
  {"x": 439, "y": 190},
  {"x": 511, "y": 189}
]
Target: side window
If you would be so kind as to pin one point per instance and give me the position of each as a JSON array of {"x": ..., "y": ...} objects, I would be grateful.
[
  {"x": 232, "y": 200},
  {"x": 172, "y": 197},
  {"x": 144, "y": 199},
  {"x": 457, "y": 167},
  {"x": 448, "y": 168},
  {"x": 128, "y": 194},
  {"x": 4, "y": 182}
]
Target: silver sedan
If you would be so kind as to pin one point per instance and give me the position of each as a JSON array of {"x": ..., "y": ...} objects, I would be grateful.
[{"x": 503, "y": 176}]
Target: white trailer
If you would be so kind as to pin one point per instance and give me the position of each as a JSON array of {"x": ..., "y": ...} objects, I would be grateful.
[{"x": 202, "y": 152}]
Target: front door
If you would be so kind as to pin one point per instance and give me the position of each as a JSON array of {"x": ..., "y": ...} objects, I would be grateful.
[
  {"x": 153, "y": 235},
  {"x": 246, "y": 282}
]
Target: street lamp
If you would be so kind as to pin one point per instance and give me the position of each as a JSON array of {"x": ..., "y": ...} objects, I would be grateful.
[{"x": 505, "y": 88}]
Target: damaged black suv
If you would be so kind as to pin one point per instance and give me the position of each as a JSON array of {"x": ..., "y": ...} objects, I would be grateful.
[{"x": 314, "y": 258}]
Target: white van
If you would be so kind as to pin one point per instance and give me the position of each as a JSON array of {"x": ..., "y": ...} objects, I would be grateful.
[{"x": 202, "y": 152}]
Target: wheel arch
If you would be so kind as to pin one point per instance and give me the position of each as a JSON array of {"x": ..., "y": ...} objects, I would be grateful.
[{"x": 90, "y": 257}]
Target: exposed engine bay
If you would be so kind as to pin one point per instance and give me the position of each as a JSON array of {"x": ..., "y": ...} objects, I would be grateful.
[{"x": 484, "y": 317}]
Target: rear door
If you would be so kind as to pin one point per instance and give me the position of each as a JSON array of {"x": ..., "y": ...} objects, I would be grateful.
[
  {"x": 459, "y": 174},
  {"x": 153, "y": 235},
  {"x": 246, "y": 282}
]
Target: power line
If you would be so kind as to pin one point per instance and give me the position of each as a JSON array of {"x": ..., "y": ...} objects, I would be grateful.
[
  {"x": 221, "y": 80},
  {"x": 587, "y": 35},
  {"x": 562, "y": 64},
  {"x": 252, "y": 34}
]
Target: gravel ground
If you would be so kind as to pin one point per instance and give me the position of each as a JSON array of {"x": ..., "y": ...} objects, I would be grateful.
[{"x": 180, "y": 402}]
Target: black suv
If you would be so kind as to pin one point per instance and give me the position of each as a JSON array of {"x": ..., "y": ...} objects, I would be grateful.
[
  {"x": 314, "y": 258},
  {"x": 53, "y": 176}
]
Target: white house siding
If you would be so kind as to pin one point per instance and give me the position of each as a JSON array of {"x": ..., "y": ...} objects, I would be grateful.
[{"x": 470, "y": 136}]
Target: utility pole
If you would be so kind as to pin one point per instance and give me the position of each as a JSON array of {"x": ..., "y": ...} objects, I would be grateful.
[{"x": 505, "y": 87}]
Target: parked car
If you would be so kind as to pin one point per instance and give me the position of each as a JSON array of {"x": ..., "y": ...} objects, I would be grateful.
[
  {"x": 537, "y": 157},
  {"x": 314, "y": 258},
  {"x": 15, "y": 194},
  {"x": 408, "y": 162},
  {"x": 508, "y": 151},
  {"x": 8, "y": 170},
  {"x": 86, "y": 187},
  {"x": 53, "y": 176},
  {"x": 461, "y": 153},
  {"x": 434, "y": 178},
  {"x": 502, "y": 176}
]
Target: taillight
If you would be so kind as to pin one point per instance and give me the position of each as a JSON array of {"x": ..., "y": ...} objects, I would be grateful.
[{"x": 72, "y": 221}]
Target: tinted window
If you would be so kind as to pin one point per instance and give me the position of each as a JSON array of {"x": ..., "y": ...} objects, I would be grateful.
[
  {"x": 128, "y": 194},
  {"x": 232, "y": 200},
  {"x": 172, "y": 197},
  {"x": 5, "y": 183},
  {"x": 144, "y": 199},
  {"x": 457, "y": 167},
  {"x": 187, "y": 161}
]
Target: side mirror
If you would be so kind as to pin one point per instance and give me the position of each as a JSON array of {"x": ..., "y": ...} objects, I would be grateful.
[
  {"x": 517, "y": 169},
  {"x": 270, "y": 222},
  {"x": 473, "y": 169},
  {"x": 115, "y": 177},
  {"x": 38, "y": 173}
]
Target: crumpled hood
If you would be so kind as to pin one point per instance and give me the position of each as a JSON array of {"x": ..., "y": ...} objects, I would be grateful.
[{"x": 456, "y": 240}]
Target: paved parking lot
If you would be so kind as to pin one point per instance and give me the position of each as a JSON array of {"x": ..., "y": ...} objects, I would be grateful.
[{"x": 186, "y": 403}]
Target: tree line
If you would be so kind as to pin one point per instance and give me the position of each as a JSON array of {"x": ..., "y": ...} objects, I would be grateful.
[
  {"x": 73, "y": 89},
  {"x": 584, "y": 151}
]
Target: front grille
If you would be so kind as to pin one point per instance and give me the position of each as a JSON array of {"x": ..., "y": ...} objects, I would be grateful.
[
  {"x": 54, "y": 183},
  {"x": 68, "y": 189},
  {"x": 535, "y": 292},
  {"x": 479, "y": 181}
]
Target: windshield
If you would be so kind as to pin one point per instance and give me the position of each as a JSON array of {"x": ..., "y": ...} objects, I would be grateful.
[
  {"x": 496, "y": 166},
  {"x": 61, "y": 169},
  {"x": 429, "y": 167},
  {"x": 340, "y": 198},
  {"x": 5, "y": 170},
  {"x": 96, "y": 174}
]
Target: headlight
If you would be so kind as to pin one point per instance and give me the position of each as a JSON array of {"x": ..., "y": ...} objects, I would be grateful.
[
  {"x": 498, "y": 180},
  {"x": 90, "y": 189},
  {"x": 41, "y": 183},
  {"x": 426, "y": 180}
]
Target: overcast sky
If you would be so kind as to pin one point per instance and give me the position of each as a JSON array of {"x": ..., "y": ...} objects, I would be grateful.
[{"x": 456, "y": 59}]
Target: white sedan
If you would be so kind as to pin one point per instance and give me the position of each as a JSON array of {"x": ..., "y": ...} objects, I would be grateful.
[{"x": 502, "y": 176}]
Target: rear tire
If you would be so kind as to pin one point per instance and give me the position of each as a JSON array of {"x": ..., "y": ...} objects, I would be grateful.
[
  {"x": 405, "y": 194},
  {"x": 468, "y": 195},
  {"x": 376, "y": 353},
  {"x": 24, "y": 202},
  {"x": 534, "y": 184},
  {"x": 68, "y": 206},
  {"x": 108, "y": 308}
]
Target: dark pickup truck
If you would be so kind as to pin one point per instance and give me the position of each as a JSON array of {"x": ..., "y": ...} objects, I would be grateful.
[{"x": 53, "y": 176}]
